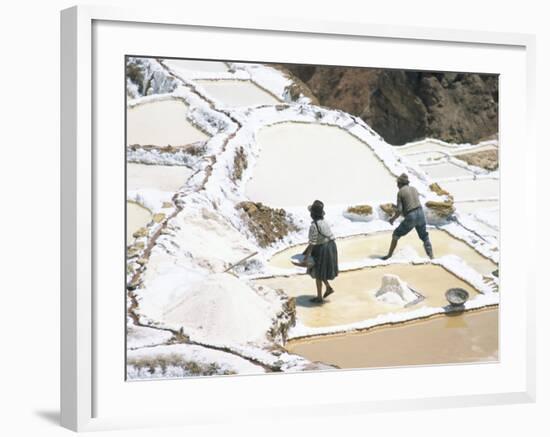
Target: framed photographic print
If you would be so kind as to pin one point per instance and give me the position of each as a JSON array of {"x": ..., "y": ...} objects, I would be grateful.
[{"x": 278, "y": 218}]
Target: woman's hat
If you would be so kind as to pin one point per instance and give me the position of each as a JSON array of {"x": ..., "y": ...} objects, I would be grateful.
[{"x": 317, "y": 205}]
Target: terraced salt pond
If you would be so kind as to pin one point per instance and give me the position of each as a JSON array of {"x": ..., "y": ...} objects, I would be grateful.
[
  {"x": 237, "y": 93},
  {"x": 424, "y": 156},
  {"x": 159, "y": 177},
  {"x": 481, "y": 148},
  {"x": 354, "y": 299},
  {"x": 161, "y": 123},
  {"x": 493, "y": 215},
  {"x": 468, "y": 337},
  {"x": 469, "y": 189},
  {"x": 474, "y": 206},
  {"x": 357, "y": 248},
  {"x": 136, "y": 217},
  {"x": 430, "y": 146},
  {"x": 424, "y": 146},
  {"x": 445, "y": 170},
  {"x": 194, "y": 66},
  {"x": 299, "y": 162}
]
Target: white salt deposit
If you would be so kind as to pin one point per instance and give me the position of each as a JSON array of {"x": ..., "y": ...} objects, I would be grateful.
[
  {"x": 188, "y": 65},
  {"x": 139, "y": 336},
  {"x": 394, "y": 291},
  {"x": 210, "y": 238},
  {"x": 221, "y": 309},
  {"x": 178, "y": 355},
  {"x": 300, "y": 162},
  {"x": 237, "y": 93}
]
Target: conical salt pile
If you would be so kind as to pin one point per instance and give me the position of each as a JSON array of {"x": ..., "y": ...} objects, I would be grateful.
[{"x": 394, "y": 291}]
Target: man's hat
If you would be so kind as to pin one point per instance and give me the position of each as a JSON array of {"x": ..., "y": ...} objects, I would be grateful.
[{"x": 403, "y": 179}]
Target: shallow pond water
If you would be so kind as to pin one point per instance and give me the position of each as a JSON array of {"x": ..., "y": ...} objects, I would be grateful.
[
  {"x": 237, "y": 93},
  {"x": 424, "y": 146},
  {"x": 354, "y": 299},
  {"x": 300, "y": 162},
  {"x": 359, "y": 247},
  {"x": 158, "y": 177},
  {"x": 136, "y": 217},
  {"x": 161, "y": 123},
  {"x": 445, "y": 170},
  {"x": 470, "y": 189},
  {"x": 469, "y": 207},
  {"x": 188, "y": 65},
  {"x": 424, "y": 156}
]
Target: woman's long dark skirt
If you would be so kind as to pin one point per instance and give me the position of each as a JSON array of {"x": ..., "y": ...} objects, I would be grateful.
[{"x": 326, "y": 261}]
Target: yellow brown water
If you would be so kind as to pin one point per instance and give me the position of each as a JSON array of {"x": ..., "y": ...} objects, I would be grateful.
[
  {"x": 136, "y": 217},
  {"x": 354, "y": 298},
  {"x": 468, "y": 337},
  {"x": 365, "y": 246},
  {"x": 161, "y": 123}
]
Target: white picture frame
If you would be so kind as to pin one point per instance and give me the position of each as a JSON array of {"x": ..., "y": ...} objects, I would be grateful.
[{"x": 85, "y": 390}]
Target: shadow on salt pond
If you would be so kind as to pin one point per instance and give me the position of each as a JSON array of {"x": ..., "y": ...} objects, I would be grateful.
[{"x": 304, "y": 301}]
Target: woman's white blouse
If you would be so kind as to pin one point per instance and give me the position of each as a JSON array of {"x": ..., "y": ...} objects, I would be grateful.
[{"x": 315, "y": 237}]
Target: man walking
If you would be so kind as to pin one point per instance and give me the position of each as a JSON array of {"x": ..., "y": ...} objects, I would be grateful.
[{"x": 409, "y": 205}]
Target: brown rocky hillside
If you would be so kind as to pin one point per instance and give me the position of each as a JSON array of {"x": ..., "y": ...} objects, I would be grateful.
[{"x": 404, "y": 106}]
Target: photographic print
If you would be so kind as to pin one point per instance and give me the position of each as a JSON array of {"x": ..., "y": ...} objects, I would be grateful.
[{"x": 288, "y": 218}]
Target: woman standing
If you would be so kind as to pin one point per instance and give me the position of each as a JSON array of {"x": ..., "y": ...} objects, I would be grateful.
[{"x": 322, "y": 249}]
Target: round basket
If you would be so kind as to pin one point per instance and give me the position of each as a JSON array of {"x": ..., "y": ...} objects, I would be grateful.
[
  {"x": 299, "y": 260},
  {"x": 457, "y": 296}
]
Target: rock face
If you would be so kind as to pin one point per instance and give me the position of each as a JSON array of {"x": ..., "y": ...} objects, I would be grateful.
[
  {"x": 404, "y": 106},
  {"x": 145, "y": 77}
]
